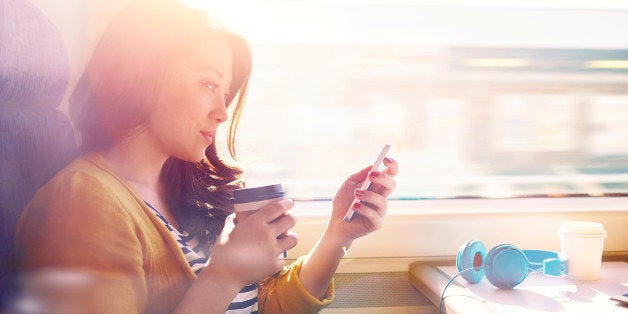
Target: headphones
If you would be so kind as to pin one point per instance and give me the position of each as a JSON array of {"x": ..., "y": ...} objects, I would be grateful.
[{"x": 505, "y": 265}]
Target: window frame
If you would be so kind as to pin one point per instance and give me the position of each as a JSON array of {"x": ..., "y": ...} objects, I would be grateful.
[{"x": 435, "y": 229}]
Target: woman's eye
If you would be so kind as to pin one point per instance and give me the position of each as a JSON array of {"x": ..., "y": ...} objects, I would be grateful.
[
  {"x": 215, "y": 88},
  {"x": 209, "y": 84},
  {"x": 212, "y": 86}
]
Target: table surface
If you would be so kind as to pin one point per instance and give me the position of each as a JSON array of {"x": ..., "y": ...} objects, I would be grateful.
[{"x": 538, "y": 293}]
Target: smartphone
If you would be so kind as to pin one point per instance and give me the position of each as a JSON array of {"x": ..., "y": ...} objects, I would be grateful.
[{"x": 367, "y": 183}]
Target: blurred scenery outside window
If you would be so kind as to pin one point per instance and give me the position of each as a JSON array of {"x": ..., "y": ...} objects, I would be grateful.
[{"x": 484, "y": 100}]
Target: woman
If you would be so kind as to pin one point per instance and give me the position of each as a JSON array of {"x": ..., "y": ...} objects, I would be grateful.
[{"x": 128, "y": 227}]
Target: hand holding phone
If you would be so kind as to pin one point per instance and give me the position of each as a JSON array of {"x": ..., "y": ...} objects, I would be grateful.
[
  {"x": 622, "y": 299},
  {"x": 367, "y": 182}
]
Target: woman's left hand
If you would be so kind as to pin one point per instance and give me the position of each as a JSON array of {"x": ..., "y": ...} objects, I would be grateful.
[{"x": 370, "y": 211}]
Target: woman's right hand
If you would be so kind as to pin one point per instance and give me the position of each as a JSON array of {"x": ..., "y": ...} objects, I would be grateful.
[{"x": 250, "y": 252}]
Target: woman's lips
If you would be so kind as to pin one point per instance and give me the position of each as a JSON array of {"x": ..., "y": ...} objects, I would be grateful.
[{"x": 209, "y": 137}]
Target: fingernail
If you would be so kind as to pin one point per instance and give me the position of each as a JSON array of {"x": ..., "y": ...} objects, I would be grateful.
[
  {"x": 387, "y": 160},
  {"x": 359, "y": 192},
  {"x": 356, "y": 205},
  {"x": 374, "y": 174}
]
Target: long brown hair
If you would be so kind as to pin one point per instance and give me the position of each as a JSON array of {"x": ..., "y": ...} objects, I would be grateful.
[{"x": 121, "y": 83}]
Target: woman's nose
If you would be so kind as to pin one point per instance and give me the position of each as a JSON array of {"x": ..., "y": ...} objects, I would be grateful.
[{"x": 219, "y": 112}]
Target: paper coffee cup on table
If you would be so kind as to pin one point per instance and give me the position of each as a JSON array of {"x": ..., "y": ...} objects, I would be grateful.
[{"x": 583, "y": 243}]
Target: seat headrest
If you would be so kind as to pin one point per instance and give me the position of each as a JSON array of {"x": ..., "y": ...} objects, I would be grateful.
[{"x": 34, "y": 71}]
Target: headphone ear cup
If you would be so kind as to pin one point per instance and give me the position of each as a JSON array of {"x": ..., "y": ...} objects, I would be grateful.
[
  {"x": 505, "y": 266},
  {"x": 469, "y": 260}
]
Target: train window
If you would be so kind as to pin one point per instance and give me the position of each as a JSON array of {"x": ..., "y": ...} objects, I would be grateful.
[
  {"x": 485, "y": 99},
  {"x": 477, "y": 98}
]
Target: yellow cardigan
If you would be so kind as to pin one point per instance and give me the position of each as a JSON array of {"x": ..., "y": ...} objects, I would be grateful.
[{"x": 87, "y": 243}]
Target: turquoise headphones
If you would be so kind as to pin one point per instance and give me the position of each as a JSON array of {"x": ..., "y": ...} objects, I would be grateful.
[{"x": 505, "y": 265}]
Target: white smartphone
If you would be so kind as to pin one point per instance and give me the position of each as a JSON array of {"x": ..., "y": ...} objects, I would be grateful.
[{"x": 367, "y": 183}]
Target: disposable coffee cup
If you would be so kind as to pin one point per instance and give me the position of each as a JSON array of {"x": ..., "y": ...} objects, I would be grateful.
[
  {"x": 248, "y": 200},
  {"x": 583, "y": 243}
]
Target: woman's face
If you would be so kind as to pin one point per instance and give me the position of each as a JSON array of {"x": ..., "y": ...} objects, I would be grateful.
[{"x": 191, "y": 103}]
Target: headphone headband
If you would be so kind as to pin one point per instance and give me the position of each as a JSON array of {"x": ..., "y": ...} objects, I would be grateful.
[
  {"x": 505, "y": 265},
  {"x": 551, "y": 263}
]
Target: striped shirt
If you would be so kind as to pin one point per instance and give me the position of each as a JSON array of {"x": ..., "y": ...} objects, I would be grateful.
[{"x": 197, "y": 256}]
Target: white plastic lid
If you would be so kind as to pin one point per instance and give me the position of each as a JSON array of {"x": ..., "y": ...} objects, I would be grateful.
[{"x": 582, "y": 227}]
